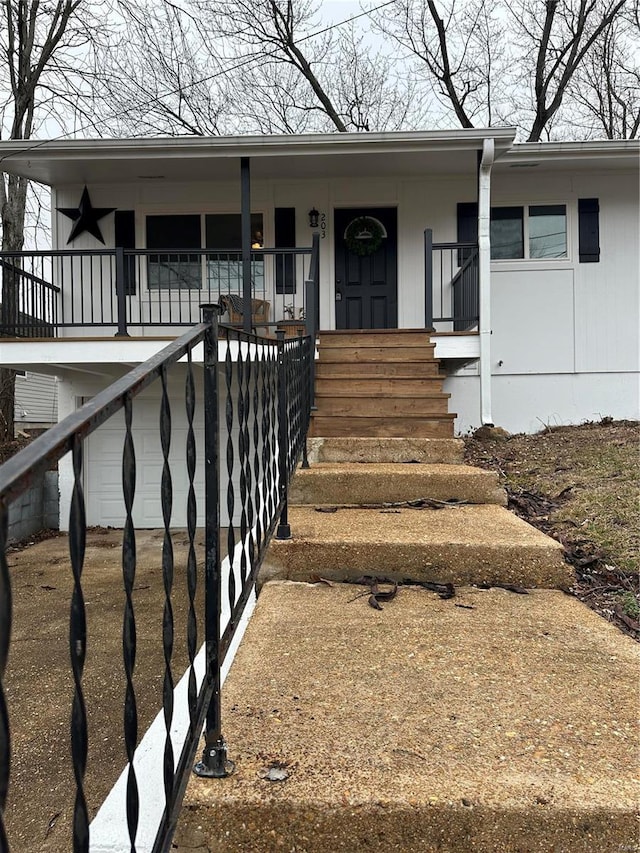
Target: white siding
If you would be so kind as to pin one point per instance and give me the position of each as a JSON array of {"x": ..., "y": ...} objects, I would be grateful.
[{"x": 36, "y": 401}]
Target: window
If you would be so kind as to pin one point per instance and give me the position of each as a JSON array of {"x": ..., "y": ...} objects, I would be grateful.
[
  {"x": 507, "y": 232},
  {"x": 536, "y": 231},
  {"x": 224, "y": 267},
  {"x": 548, "y": 231},
  {"x": 523, "y": 232},
  {"x": 183, "y": 270},
  {"x": 174, "y": 270}
]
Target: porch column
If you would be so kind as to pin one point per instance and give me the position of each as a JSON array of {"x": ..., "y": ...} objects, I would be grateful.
[
  {"x": 245, "y": 230},
  {"x": 484, "y": 270}
]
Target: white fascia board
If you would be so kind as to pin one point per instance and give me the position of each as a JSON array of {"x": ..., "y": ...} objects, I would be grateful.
[
  {"x": 456, "y": 346},
  {"x": 618, "y": 152}
]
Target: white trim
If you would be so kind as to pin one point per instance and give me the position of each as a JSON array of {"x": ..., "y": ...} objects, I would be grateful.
[{"x": 484, "y": 271}]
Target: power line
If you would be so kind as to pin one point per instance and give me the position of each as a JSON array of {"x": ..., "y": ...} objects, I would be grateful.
[{"x": 206, "y": 79}]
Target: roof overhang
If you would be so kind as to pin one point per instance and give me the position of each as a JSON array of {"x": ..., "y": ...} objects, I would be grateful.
[
  {"x": 600, "y": 155},
  {"x": 107, "y": 161}
]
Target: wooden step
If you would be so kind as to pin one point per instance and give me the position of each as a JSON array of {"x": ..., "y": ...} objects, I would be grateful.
[
  {"x": 366, "y": 338},
  {"x": 435, "y": 426},
  {"x": 368, "y": 407},
  {"x": 376, "y": 353},
  {"x": 361, "y": 386},
  {"x": 381, "y": 369}
]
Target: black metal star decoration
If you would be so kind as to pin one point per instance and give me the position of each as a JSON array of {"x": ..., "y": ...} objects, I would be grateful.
[{"x": 85, "y": 217}]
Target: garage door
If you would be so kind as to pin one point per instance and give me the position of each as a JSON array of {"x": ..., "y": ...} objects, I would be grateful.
[
  {"x": 103, "y": 478},
  {"x": 105, "y": 505}
]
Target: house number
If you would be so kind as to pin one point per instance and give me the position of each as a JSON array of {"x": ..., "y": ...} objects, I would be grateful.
[{"x": 323, "y": 225}]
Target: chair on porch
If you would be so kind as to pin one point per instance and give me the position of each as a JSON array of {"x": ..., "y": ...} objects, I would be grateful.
[{"x": 233, "y": 305}]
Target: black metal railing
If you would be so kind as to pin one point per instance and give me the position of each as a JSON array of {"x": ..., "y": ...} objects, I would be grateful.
[
  {"x": 124, "y": 291},
  {"x": 452, "y": 285},
  {"x": 254, "y": 415}
]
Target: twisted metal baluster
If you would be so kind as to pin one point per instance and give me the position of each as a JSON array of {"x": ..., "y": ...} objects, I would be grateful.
[
  {"x": 166, "y": 498},
  {"x": 77, "y": 650},
  {"x": 266, "y": 468},
  {"x": 231, "y": 541},
  {"x": 192, "y": 571},
  {"x": 256, "y": 446},
  {"x": 6, "y": 613},
  {"x": 247, "y": 443},
  {"x": 242, "y": 459},
  {"x": 273, "y": 433},
  {"x": 129, "y": 623}
]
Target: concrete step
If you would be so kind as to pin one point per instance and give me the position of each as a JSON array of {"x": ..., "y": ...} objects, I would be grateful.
[
  {"x": 461, "y": 545},
  {"x": 425, "y": 450},
  {"x": 510, "y": 727},
  {"x": 422, "y": 426},
  {"x": 380, "y": 369},
  {"x": 427, "y": 403},
  {"x": 357, "y": 483}
]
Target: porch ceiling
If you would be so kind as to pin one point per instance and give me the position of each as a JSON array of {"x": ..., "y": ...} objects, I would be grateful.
[{"x": 56, "y": 163}]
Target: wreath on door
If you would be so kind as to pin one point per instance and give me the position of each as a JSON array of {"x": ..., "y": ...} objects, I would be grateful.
[{"x": 364, "y": 235}]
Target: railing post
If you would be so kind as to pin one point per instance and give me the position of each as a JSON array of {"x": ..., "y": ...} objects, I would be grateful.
[
  {"x": 214, "y": 763},
  {"x": 428, "y": 278},
  {"x": 121, "y": 293},
  {"x": 284, "y": 529}
]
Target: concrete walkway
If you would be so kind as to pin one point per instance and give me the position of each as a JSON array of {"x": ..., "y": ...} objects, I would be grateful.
[
  {"x": 491, "y": 721},
  {"x": 426, "y": 726}
]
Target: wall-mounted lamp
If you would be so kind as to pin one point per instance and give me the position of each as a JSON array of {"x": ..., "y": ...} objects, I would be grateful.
[{"x": 313, "y": 218}]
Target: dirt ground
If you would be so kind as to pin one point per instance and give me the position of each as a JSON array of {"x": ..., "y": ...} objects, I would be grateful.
[
  {"x": 579, "y": 484},
  {"x": 39, "y": 684}
]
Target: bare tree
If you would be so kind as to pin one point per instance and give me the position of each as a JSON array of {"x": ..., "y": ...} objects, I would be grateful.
[
  {"x": 462, "y": 48},
  {"x": 160, "y": 77},
  {"x": 349, "y": 83},
  {"x": 606, "y": 90},
  {"x": 41, "y": 46},
  {"x": 455, "y": 49}
]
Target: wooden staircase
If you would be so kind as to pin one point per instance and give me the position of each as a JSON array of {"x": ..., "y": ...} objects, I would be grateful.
[{"x": 383, "y": 383}]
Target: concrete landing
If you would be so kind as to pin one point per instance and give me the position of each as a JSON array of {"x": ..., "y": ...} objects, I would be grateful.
[
  {"x": 510, "y": 727},
  {"x": 463, "y": 545},
  {"x": 362, "y": 483},
  {"x": 435, "y": 450}
]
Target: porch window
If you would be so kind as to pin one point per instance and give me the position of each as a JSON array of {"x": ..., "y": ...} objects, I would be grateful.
[
  {"x": 174, "y": 270},
  {"x": 224, "y": 267}
]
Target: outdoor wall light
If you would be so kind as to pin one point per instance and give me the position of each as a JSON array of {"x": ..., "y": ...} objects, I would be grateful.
[{"x": 313, "y": 218}]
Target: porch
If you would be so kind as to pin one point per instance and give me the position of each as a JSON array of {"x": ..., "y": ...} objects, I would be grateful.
[{"x": 70, "y": 295}]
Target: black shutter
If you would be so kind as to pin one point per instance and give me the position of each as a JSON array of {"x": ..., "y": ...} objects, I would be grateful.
[
  {"x": 125, "y": 234},
  {"x": 285, "y": 238},
  {"x": 467, "y": 214},
  {"x": 589, "y": 230}
]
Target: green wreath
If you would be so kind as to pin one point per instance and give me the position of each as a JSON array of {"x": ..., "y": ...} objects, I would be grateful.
[{"x": 364, "y": 236}]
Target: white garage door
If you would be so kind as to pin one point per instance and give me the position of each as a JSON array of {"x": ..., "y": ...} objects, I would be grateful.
[
  {"x": 105, "y": 503},
  {"x": 103, "y": 463}
]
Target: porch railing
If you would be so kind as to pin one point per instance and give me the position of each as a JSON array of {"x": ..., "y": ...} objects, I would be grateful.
[
  {"x": 255, "y": 414},
  {"x": 123, "y": 291},
  {"x": 452, "y": 285}
]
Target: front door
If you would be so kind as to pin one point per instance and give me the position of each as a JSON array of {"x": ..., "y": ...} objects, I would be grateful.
[{"x": 366, "y": 253}]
